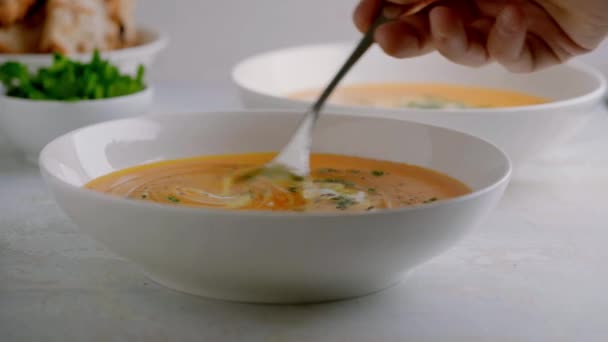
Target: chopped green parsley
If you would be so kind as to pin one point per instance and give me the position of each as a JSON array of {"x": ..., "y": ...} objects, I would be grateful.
[{"x": 343, "y": 202}]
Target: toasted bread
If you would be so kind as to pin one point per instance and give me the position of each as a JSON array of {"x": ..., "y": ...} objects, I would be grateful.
[
  {"x": 73, "y": 26},
  {"x": 19, "y": 38},
  {"x": 121, "y": 12},
  {"x": 23, "y": 36},
  {"x": 12, "y": 11}
]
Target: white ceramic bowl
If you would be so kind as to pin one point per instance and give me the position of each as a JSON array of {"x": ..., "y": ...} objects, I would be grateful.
[
  {"x": 265, "y": 80},
  {"x": 152, "y": 42},
  {"x": 31, "y": 124},
  {"x": 265, "y": 256}
]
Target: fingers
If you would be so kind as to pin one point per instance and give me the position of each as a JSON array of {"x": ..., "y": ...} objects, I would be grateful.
[
  {"x": 403, "y": 38},
  {"x": 392, "y": 11},
  {"x": 541, "y": 54},
  {"x": 366, "y": 10},
  {"x": 509, "y": 34},
  {"x": 365, "y": 14},
  {"x": 542, "y": 24},
  {"x": 507, "y": 41},
  {"x": 454, "y": 41},
  {"x": 415, "y": 35},
  {"x": 510, "y": 44}
]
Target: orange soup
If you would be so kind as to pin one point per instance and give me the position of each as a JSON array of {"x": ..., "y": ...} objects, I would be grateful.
[
  {"x": 337, "y": 183},
  {"x": 423, "y": 96}
]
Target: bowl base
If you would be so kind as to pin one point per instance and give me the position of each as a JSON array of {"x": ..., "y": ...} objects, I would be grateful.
[{"x": 280, "y": 300}]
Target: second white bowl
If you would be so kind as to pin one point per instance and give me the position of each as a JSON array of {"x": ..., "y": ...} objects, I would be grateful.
[{"x": 266, "y": 80}]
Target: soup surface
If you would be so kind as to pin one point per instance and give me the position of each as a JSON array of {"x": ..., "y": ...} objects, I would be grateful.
[
  {"x": 424, "y": 96},
  {"x": 337, "y": 183}
]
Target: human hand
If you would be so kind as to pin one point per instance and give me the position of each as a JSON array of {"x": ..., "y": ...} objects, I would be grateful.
[{"x": 522, "y": 35}]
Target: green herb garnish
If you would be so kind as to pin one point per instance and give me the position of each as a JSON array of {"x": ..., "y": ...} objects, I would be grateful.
[
  {"x": 292, "y": 189},
  {"x": 378, "y": 173},
  {"x": 371, "y": 190},
  {"x": 173, "y": 199},
  {"x": 431, "y": 102},
  {"x": 336, "y": 181},
  {"x": 69, "y": 80},
  {"x": 432, "y": 199},
  {"x": 144, "y": 196},
  {"x": 343, "y": 202}
]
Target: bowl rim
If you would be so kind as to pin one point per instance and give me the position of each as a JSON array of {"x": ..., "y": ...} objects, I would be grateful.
[
  {"x": 159, "y": 40},
  {"x": 597, "y": 94},
  {"x": 145, "y": 93},
  {"x": 44, "y": 159}
]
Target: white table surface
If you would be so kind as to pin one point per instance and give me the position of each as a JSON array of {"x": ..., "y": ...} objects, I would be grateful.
[{"x": 534, "y": 271}]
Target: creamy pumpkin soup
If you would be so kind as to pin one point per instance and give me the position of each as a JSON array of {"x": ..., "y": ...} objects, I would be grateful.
[
  {"x": 426, "y": 96},
  {"x": 337, "y": 183}
]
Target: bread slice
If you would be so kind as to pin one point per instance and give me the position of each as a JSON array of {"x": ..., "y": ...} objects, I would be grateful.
[
  {"x": 19, "y": 38},
  {"x": 121, "y": 12},
  {"x": 12, "y": 11},
  {"x": 24, "y": 35},
  {"x": 73, "y": 26}
]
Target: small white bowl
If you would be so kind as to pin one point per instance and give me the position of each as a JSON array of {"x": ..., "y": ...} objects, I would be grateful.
[
  {"x": 264, "y": 81},
  {"x": 268, "y": 256},
  {"x": 31, "y": 124},
  {"x": 152, "y": 42}
]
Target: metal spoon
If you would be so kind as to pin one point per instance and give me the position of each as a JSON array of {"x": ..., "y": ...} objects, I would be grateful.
[{"x": 294, "y": 158}]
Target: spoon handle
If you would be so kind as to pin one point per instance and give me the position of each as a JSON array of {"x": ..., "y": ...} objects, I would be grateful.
[
  {"x": 360, "y": 49},
  {"x": 296, "y": 154}
]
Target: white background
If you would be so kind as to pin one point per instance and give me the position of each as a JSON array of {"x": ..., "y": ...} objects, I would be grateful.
[
  {"x": 534, "y": 271},
  {"x": 209, "y": 36}
]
